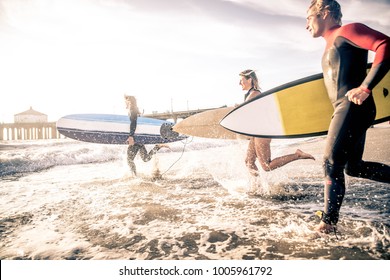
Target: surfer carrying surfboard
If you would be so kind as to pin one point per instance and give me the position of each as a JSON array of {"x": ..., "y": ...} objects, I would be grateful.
[
  {"x": 134, "y": 148},
  {"x": 349, "y": 88},
  {"x": 260, "y": 148}
]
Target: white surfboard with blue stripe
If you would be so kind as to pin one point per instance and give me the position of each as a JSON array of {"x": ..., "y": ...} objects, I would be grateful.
[{"x": 114, "y": 129}]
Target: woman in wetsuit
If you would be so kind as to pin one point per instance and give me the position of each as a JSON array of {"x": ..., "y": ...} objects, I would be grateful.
[
  {"x": 260, "y": 148},
  {"x": 134, "y": 148},
  {"x": 349, "y": 88}
]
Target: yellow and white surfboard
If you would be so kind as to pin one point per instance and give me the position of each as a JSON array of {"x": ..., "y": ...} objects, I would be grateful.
[{"x": 297, "y": 109}]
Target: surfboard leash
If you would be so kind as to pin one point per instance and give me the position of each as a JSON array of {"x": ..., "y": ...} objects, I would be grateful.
[{"x": 182, "y": 153}]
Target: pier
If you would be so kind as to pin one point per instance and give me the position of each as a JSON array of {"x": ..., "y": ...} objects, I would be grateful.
[
  {"x": 177, "y": 115},
  {"x": 48, "y": 130},
  {"x": 28, "y": 131}
]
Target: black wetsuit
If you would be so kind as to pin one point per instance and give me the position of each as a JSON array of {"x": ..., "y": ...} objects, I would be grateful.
[
  {"x": 344, "y": 66},
  {"x": 132, "y": 150}
]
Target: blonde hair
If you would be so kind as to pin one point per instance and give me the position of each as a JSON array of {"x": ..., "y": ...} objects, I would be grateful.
[
  {"x": 133, "y": 103},
  {"x": 332, "y": 6},
  {"x": 251, "y": 74}
]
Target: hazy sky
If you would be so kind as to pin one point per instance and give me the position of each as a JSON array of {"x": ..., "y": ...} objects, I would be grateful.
[{"x": 80, "y": 56}]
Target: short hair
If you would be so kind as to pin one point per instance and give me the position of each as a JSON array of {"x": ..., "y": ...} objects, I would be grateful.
[{"x": 332, "y": 6}]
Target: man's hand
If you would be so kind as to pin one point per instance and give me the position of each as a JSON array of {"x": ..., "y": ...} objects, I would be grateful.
[{"x": 357, "y": 95}]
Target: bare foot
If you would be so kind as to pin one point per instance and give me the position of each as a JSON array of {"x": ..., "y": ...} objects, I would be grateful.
[
  {"x": 253, "y": 170},
  {"x": 304, "y": 155},
  {"x": 325, "y": 228},
  {"x": 163, "y": 146},
  {"x": 156, "y": 175}
]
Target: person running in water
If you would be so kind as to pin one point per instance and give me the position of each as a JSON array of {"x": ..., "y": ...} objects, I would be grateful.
[
  {"x": 134, "y": 148},
  {"x": 260, "y": 148},
  {"x": 344, "y": 65}
]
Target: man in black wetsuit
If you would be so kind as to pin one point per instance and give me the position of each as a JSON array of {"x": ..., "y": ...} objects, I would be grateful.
[
  {"x": 349, "y": 88},
  {"x": 134, "y": 148}
]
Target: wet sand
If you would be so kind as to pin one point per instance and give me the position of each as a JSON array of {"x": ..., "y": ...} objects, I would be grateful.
[{"x": 377, "y": 146}]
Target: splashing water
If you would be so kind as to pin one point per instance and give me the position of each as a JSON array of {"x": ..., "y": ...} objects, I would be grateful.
[{"x": 71, "y": 200}]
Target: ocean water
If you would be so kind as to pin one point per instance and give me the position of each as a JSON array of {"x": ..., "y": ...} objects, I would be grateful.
[{"x": 63, "y": 199}]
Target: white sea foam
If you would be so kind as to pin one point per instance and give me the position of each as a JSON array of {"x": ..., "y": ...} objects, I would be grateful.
[{"x": 73, "y": 200}]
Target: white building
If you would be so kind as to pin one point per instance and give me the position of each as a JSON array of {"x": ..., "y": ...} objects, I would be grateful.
[{"x": 30, "y": 116}]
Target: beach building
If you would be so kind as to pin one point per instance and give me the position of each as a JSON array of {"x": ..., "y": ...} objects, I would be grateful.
[
  {"x": 29, "y": 125},
  {"x": 30, "y": 116}
]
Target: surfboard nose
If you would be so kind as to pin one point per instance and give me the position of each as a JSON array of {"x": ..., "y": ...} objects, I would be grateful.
[{"x": 167, "y": 132}]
